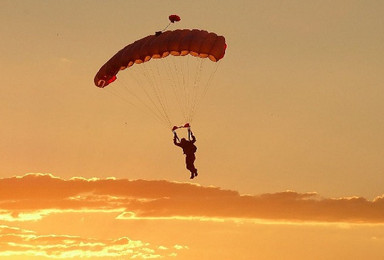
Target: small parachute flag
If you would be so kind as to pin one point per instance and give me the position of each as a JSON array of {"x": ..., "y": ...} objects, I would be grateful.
[{"x": 174, "y": 18}]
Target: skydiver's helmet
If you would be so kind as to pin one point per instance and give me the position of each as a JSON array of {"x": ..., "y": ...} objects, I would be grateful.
[{"x": 183, "y": 141}]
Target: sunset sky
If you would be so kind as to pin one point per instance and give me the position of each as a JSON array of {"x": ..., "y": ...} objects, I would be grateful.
[{"x": 290, "y": 135}]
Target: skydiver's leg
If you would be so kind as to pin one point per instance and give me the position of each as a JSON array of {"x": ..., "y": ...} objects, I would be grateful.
[
  {"x": 189, "y": 166},
  {"x": 189, "y": 161},
  {"x": 194, "y": 170},
  {"x": 193, "y": 165}
]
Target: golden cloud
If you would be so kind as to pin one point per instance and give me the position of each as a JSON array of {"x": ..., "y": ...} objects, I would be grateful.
[
  {"x": 21, "y": 242},
  {"x": 33, "y": 196}
]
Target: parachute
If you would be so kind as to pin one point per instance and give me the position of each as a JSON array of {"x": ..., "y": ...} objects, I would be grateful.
[
  {"x": 174, "y": 18},
  {"x": 178, "y": 43},
  {"x": 200, "y": 44}
]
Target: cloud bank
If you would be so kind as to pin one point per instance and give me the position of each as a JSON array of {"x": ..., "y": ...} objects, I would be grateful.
[{"x": 33, "y": 196}]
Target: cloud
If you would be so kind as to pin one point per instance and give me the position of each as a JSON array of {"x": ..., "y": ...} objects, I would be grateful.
[
  {"x": 33, "y": 196},
  {"x": 21, "y": 242}
]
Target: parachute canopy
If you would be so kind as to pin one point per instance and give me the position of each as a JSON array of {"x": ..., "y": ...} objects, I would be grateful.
[{"x": 195, "y": 42}]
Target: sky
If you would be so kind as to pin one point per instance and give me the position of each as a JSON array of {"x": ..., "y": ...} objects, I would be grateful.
[{"x": 289, "y": 135}]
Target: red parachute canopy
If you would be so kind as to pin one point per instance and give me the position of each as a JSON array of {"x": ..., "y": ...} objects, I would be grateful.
[
  {"x": 195, "y": 42},
  {"x": 174, "y": 18}
]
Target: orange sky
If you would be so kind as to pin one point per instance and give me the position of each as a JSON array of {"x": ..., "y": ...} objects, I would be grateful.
[{"x": 290, "y": 135}]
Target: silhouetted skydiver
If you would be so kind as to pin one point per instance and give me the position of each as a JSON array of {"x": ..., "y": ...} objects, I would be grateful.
[{"x": 189, "y": 150}]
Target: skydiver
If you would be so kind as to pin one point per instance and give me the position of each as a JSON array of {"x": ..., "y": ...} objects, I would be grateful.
[{"x": 189, "y": 150}]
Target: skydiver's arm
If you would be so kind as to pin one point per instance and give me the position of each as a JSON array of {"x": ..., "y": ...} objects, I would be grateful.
[
  {"x": 175, "y": 138},
  {"x": 193, "y": 137}
]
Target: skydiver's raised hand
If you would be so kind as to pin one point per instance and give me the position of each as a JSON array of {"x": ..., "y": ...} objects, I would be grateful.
[{"x": 175, "y": 137}]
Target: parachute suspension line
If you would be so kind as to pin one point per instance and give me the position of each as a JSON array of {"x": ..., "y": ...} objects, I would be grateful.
[
  {"x": 184, "y": 68},
  {"x": 113, "y": 92},
  {"x": 196, "y": 86},
  {"x": 180, "y": 89},
  {"x": 160, "y": 85},
  {"x": 211, "y": 76},
  {"x": 159, "y": 91},
  {"x": 142, "y": 84},
  {"x": 146, "y": 89},
  {"x": 151, "y": 92},
  {"x": 167, "y": 79},
  {"x": 148, "y": 74},
  {"x": 190, "y": 87},
  {"x": 174, "y": 81},
  {"x": 148, "y": 110},
  {"x": 186, "y": 74},
  {"x": 116, "y": 94},
  {"x": 175, "y": 88},
  {"x": 208, "y": 84},
  {"x": 186, "y": 89}
]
